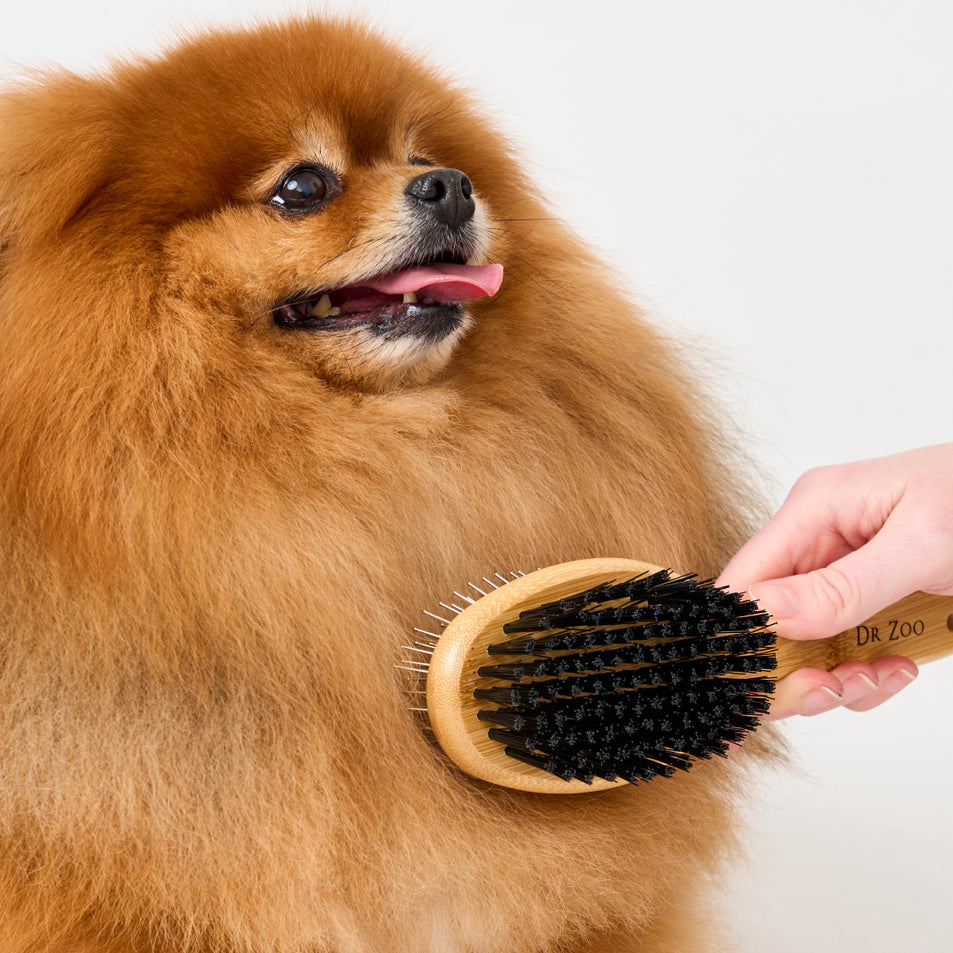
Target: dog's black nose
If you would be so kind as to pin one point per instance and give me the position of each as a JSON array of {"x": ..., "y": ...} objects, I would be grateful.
[{"x": 446, "y": 193}]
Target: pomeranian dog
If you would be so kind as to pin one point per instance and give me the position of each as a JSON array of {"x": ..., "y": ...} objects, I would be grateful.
[{"x": 290, "y": 348}]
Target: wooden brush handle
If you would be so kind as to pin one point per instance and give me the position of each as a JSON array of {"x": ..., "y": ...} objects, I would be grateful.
[{"x": 919, "y": 627}]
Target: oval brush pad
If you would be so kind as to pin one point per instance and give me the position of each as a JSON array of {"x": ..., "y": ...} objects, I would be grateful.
[{"x": 593, "y": 673}]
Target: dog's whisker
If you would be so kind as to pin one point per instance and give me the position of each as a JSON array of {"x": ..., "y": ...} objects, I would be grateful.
[{"x": 541, "y": 219}]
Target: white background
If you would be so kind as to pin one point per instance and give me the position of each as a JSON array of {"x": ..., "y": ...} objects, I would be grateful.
[{"x": 775, "y": 178}]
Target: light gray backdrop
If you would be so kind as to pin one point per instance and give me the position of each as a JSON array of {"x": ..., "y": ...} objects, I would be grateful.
[{"x": 776, "y": 179}]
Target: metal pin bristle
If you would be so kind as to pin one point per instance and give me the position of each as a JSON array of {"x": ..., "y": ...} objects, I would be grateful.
[
  {"x": 425, "y": 647},
  {"x": 437, "y": 617}
]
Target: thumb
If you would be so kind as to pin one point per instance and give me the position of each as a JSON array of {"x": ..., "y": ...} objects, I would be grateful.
[{"x": 834, "y": 598}]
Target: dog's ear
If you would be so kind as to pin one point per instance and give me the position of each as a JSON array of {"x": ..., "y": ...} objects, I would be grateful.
[{"x": 56, "y": 133}]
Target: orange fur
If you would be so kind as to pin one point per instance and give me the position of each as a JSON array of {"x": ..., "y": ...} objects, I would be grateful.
[{"x": 215, "y": 533}]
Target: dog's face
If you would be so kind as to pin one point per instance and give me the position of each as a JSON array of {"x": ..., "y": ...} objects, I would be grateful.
[
  {"x": 357, "y": 266},
  {"x": 407, "y": 318}
]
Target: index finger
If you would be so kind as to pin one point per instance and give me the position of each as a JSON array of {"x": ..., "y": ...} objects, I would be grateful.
[{"x": 795, "y": 540}]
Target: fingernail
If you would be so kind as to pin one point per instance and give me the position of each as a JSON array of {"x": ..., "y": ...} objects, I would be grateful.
[
  {"x": 856, "y": 687},
  {"x": 819, "y": 700},
  {"x": 777, "y": 600},
  {"x": 900, "y": 679}
]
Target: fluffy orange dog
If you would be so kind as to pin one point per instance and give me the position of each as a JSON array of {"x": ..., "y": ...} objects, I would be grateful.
[{"x": 261, "y": 403}]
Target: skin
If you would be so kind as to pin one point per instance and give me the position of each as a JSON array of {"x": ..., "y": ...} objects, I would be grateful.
[{"x": 848, "y": 541}]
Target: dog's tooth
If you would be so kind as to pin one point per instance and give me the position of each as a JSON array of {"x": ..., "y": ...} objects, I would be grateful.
[
  {"x": 323, "y": 307},
  {"x": 410, "y": 297},
  {"x": 334, "y": 312}
]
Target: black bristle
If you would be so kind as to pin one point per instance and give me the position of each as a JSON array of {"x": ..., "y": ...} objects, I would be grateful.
[{"x": 629, "y": 680}]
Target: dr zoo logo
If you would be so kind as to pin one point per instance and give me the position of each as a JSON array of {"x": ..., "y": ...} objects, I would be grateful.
[{"x": 894, "y": 631}]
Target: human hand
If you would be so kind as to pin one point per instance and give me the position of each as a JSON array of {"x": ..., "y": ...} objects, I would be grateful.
[{"x": 848, "y": 541}]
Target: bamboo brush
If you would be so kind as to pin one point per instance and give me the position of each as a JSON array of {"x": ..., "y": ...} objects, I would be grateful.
[{"x": 589, "y": 674}]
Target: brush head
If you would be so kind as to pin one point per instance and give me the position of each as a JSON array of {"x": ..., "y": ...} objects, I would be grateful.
[{"x": 589, "y": 674}]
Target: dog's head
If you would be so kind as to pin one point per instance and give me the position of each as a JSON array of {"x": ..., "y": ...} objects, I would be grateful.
[{"x": 316, "y": 191}]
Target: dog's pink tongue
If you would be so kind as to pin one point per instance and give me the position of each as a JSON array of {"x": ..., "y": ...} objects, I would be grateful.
[{"x": 442, "y": 282}]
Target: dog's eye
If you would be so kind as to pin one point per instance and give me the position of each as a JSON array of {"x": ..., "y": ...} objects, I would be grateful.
[{"x": 305, "y": 189}]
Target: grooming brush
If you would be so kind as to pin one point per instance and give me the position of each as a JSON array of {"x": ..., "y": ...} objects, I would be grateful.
[{"x": 590, "y": 674}]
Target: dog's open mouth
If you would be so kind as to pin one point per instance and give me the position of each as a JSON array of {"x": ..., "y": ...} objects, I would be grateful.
[{"x": 422, "y": 299}]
